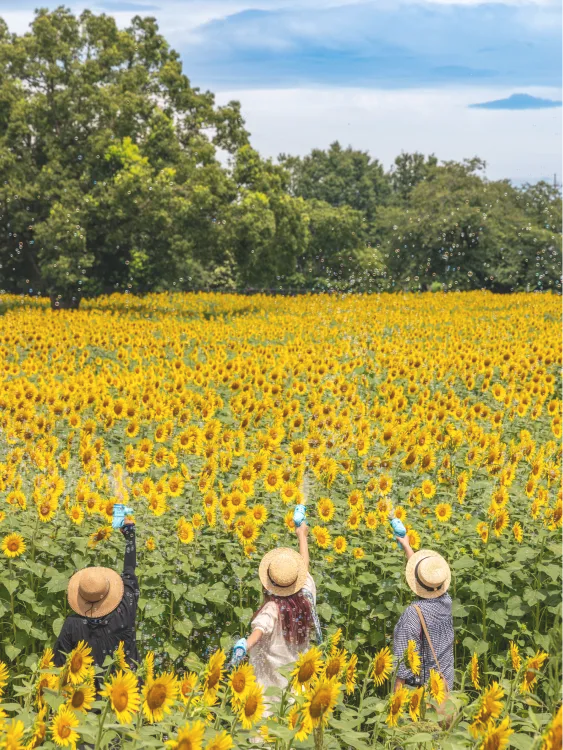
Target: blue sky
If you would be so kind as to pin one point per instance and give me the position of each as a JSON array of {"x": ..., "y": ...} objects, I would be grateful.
[{"x": 384, "y": 76}]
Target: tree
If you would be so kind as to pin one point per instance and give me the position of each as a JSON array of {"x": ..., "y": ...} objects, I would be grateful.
[
  {"x": 407, "y": 171},
  {"x": 339, "y": 177},
  {"x": 107, "y": 158},
  {"x": 466, "y": 233}
]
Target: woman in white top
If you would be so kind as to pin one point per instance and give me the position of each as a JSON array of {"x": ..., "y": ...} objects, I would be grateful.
[{"x": 282, "y": 627}]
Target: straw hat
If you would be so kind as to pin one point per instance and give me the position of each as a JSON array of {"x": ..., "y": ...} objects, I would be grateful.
[
  {"x": 428, "y": 574},
  {"x": 95, "y": 592},
  {"x": 282, "y": 571}
]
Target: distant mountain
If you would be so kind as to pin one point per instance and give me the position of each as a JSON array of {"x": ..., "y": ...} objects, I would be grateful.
[{"x": 518, "y": 101}]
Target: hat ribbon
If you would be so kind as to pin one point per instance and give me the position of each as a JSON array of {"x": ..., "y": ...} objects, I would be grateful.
[{"x": 424, "y": 586}]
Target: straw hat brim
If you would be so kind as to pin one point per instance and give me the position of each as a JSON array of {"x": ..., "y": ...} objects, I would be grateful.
[
  {"x": 96, "y": 609},
  {"x": 414, "y": 584},
  {"x": 269, "y": 585}
]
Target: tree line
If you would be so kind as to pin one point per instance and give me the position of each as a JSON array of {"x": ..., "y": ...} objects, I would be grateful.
[{"x": 111, "y": 179}]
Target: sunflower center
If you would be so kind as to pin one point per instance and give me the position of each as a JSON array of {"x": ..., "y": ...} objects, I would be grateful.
[
  {"x": 238, "y": 683},
  {"x": 76, "y": 663},
  {"x": 213, "y": 679},
  {"x": 305, "y": 672},
  {"x": 184, "y": 744},
  {"x": 250, "y": 706},
  {"x": 78, "y": 699},
  {"x": 319, "y": 703},
  {"x": 120, "y": 698},
  {"x": 45, "y": 509},
  {"x": 13, "y": 545},
  {"x": 333, "y": 668},
  {"x": 64, "y": 731},
  {"x": 156, "y": 696}
]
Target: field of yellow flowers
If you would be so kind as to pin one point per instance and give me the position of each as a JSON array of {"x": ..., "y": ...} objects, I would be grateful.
[{"x": 211, "y": 415}]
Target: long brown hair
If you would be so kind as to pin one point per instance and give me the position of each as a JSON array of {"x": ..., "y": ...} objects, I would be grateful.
[{"x": 295, "y": 614}]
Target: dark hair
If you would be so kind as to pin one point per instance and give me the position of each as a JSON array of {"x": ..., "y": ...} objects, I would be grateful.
[{"x": 296, "y": 616}]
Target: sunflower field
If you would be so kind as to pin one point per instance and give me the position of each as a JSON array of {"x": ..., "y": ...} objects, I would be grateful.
[{"x": 211, "y": 416}]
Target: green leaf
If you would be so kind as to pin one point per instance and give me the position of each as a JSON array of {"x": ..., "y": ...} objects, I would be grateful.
[
  {"x": 183, "y": 627},
  {"x": 522, "y": 741},
  {"x": 418, "y": 738},
  {"x": 324, "y": 610},
  {"x": 553, "y": 571},
  {"x": 11, "y": 586},
  {"x": 11, "y": 651},
  {"x": 57, "y": 625}
]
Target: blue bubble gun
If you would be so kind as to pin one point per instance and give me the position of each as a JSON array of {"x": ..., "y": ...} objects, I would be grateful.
[
  {"x": 119, "y": 513},
  {"x": 299, "y": 515},
  {"x": 398, "y": 528}
]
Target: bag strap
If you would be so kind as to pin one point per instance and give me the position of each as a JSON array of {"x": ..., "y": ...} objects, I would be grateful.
[{"x": 426, "y": 633}]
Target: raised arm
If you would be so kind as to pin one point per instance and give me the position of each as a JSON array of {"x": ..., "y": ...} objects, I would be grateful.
[
  {"x": 405, "y": 544},
  {"x": 130, "y": 557},
  {"x": 301, "y": 533}
]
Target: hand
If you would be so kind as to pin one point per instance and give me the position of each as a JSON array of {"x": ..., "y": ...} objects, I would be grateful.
[
  {"x": 126, "y": 523},
  {"x": 406, "y": 545},
  {"x": 302, "y": 531}
]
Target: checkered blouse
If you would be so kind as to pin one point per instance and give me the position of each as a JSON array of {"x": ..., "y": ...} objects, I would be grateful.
[{"x": 439, "y": 622}]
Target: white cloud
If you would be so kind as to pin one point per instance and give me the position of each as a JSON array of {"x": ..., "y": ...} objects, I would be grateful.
[{"x": 522, "y": 145}]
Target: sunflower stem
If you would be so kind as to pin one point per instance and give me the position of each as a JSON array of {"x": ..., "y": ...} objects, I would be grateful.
[{"x": 101, "y": 726}]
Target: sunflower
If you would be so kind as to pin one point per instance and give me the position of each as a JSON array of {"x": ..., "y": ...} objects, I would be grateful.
[
  {"x": 62, "y": 727},
  {"x": 353, "y": 520},
  {"x": 358, "y": 553},
  {"x": 321, "y": 700},
  {"x": 517, "y": 531},
  {"x": 252, "y": 707},
  {"x": 531, "y": 669},
  {"x": 371, "y": 521},
  {"x": 340, "y": 545},
  {"x": 273, "y": 480},
  {"x": 415, "y": 703},
  {"x": 158, "y": 696},
  {"x": 241, "y": 680},
  {"x": 500, "y": 522},
  {"x": 119, "y": 657},
  {"x": 46, "y": 510},
  {"x": 552, "y": 738},
  {"x": 325, "y": 509},
  {"x": 397, "y": 702},
  {"x": 490, "y": 707},
  {"x": 76, "y": 514},
  {"x": 307, "y": 667},
  {"x": 351, "y": 674},
  {"x": 384, "y": 484},
  {"x": 187, "y": 685},
  {"x": 185, "y": 531},
  {"x": 79, "y": 663},
  {"x": 497, "y": 737},
  {"x": 414, "y": 538},
  {"x": 213, "y": 676},
  {"x": 13, "y": 545},
  {"x": 428, "y": 488},
  {"x": 474, "y": 669},
  {"x": 189, "y": 737},
  {"x": 322, "y": 536},
  {"x": 103, "y": 533},
  {"x": 515, "y": 656},
  {"x": 483, "y": 531},
  {"x": 39, "y": 730},
  {"x": 259, "y": 514},
  {"x": 220, "y": 741},
  {"x": 123, "y": 693},
  {"x": 81, "y": 697},
  {"x": 437, "y": 687},
  {"x": 443, "y": 512},
  {"x": 248, "y": 532},
  {"x": 4, "y": 675},
  {"x": 14, "y": 732},
  {"x": 413, "y": 657},
  {"x": 299, "y": 721},
  {"x": 382, "y": 666},
  {"x": 335, "y": 664}
]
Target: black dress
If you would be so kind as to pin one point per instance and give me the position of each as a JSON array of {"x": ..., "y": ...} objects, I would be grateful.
[{"x": 103, "y": 634}]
